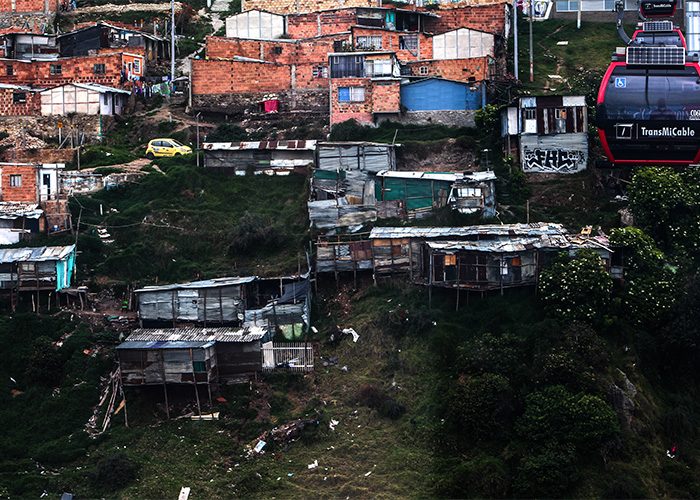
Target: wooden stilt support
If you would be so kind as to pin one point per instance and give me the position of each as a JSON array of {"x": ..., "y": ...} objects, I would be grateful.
[{"x": 194, "y": 382}]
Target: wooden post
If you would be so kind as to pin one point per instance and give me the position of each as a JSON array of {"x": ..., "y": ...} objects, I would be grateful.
[
  {"x": 194, "y": 382},
  {"x": 457, "y": 262},
  {"x": 205, "y": 308},
  {"x": 172, "y": 305},
  {"x": 165, "y": 387},
  {"x": 221, "y": 307}
]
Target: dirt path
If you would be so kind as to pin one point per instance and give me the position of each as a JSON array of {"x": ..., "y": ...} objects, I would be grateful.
[{"x": 132, "y": 167}]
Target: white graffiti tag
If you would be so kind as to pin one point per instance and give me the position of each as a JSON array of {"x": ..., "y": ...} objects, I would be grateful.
[{"x": 553, "y": 160}]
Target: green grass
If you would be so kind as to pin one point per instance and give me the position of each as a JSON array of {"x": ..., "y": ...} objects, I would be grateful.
[
  {"x": 180, "y": 226},
  {"x": 581, "y": 63}
]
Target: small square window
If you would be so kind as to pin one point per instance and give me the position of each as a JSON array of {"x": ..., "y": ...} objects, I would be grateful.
[
  {"x": 56, "y": 69},
  {"x": 199, "y": 366},
  {"x": 423, "y": 70},
  {"x": 15, "y": 180},
  {"x": 99, "y": 69},
  {"x": 529, "y": 114},
  {"x": 351, "y": 94},
  {"x": 137, "y": 66},
  {"x": 19, "y": 97},
  {"x": 9, "y": 70}
]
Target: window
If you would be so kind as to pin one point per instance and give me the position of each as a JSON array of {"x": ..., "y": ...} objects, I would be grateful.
[
  {"x": 369, "y": 42},
  {"x": 277, "y": 50},
  {"x": 19, "y": 97},
  {"x": 409, "y": 42},
  {"x": 199, "y": 366},
  {"x": 137, "y": 66},
  {"x": 351, "y": 94},
  {"x": 320, "y": 72},
  {"x": 56, "y": 69},
  {"x": 9, "y": 70},
  {"x": 423, "y": 70},
  {"x": 98, "y": 69},
  {"x": 378, "y": 68},
  {"x": 347, "y": 66},
  {"x": 15, "y": 180},
  {"x": 105, "y": 99},
  {"x": 529, "y": 114},
  {"x": 567, "y": 5}
]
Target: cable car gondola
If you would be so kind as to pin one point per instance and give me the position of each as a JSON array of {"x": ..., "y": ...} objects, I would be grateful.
[
  {"x": 648, "y": 108},
  {"x": 657, "y": 8},
  {"x": 670, "y": 38}
]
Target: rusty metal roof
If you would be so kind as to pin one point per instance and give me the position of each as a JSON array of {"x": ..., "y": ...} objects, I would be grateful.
[
  {"x": 15, "y": 210},
  {"x": 261, "y": 145},
  {"x": 204, "y": 335},
  {"x": 38, "y": 254}
]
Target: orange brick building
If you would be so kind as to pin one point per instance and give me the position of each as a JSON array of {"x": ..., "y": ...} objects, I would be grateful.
[
  {"x": 17, "y": 100},
  {"x": 388, "y": 45},
  {"x": 28, "y": 6},
  {"x": 18, "y": 183}
]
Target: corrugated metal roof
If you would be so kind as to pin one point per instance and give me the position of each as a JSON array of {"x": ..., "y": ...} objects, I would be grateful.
[
  {"x": 535, "y": 229},
  {"x": 261, "y": 145},
  {"x": 14, "y": 210},
  {"x": 96, "y": 87},
  {"x": 213, "y": 283},
  {"x": 488, "y": 175},
  {"x": 19, "y": 87},
  {"x": 38, "y": 254},
  {"x": 336, "y": 144},
  {"x": 203, "y": 335},
  {"x": 141, "y": 344}
]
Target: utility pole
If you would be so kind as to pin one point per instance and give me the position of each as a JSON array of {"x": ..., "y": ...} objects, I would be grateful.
[
  {"x": 197, "y": 117},
  {"x": 532, "y": 63},
  {"x": 578, "y": 15},
  {"x": 515, "y": 40},
  {"x": 172, "y": 44}
]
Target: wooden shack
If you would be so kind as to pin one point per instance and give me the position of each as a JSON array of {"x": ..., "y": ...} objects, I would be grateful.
[
  {"x": 480, "y": 258},
  {"x": 41, "y": 269},
  {"x": 216, "y": 301},
  {"x": 275, "y": 303}
]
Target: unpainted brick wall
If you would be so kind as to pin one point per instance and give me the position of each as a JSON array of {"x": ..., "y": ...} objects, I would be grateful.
[
  {"x": 321, "y": 23},
  {"x": 489, "y": 18},
  {"x": 360, "y": 111},
  {"x": 224, "y": 77},
  {"x": 28, "y": 6},
  {"x": 386, "y": 96},
  {"x": 73, "y": 69},
  {"x": 32, "y": 106},
  {"x": 453, "y": 69},
  {"x": 27, "y": 192},
  {"x": 300, "y": 6},
  {"x": 303, "y": 104}
]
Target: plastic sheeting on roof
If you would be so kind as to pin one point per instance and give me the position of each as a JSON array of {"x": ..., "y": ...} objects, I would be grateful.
[
  {"x": 260, "y": 145},
  {"x": 213, "y": 283},
  {"x": 533, "y": 229},
  {"x": 249, "y": 334},
  {"x": 38, "y": 254}
]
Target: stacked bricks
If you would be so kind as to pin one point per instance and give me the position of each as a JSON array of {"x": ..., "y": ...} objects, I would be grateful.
[
  {"x": 453, "y": 69},
  {"x": 488, "y": 18},
  {"x": 22, "y": 6},
  {"x": 27, "y": 192},
  {"x": 73, "y": 69},
  {"x": 301, "y": 6},
  {"x": 32, "y": 106},
  {"x": 224, "y": 77}
]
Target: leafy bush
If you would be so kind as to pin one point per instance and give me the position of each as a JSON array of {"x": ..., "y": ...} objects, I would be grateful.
[
  {"x": 481, "y": 406},
  {"x": 45, "y": 365},
  {"x": 547, "y": 471},
  {"x": 407, "y": 322},
  {"x": 227, "y": 132},
  {"x": 255, "y": 232},
  {"x": 481, "y": 477},
  {"x": 655, "y": 193},
  {"x": 375, "y": 398},
  {"x": 113, "y": 472},
  {"x": 577, "y": 289}
]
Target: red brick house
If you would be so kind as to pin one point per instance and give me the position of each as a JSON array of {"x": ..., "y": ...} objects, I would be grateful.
[{"x": 18, "y": 100}]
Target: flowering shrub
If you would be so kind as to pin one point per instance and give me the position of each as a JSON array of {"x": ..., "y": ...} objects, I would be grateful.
[{"x": 578, "y": 289}]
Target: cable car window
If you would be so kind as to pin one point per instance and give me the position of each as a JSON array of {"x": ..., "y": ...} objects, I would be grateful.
[
  {"x": 663, "y": 94},
  {"x": 656, "y": 39}
]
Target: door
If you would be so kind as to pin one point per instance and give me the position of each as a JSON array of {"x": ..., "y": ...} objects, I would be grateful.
[{"x": 46, "y": 186}]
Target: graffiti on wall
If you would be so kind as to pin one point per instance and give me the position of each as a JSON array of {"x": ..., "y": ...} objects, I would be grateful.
[{"x": 553, "y": 160}]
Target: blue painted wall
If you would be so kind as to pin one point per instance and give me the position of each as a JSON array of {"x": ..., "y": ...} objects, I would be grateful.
[{"x": 436, "y": 95}]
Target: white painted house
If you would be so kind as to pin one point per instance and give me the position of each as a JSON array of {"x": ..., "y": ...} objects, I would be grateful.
[{"x": 85, "y": 98}]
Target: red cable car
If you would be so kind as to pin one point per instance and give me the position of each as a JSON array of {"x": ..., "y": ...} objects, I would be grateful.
[
  {"x": 657, "y": 8},
  {"x": 648, "y": 108}
]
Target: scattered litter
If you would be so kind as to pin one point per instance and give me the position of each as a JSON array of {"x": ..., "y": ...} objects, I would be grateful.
[
  {"x": 344, "y": 368},
  {"x": 259, "y": 447},
  {"x": 672, "y": 452},
  {"x": 206, "y": 416},
  {"x": 279, "y": 478},
  {"x": 290, "y": 474},
  {"x": 330, "y": 361},
  {"x": 184, "y": 493},
  {"x": 368, "y": 474},
  {"x": 350, "y": 331},
  {"x": 325, "y": 477},
  {"x": 333, "y": 424},
  {"x": 312, "y": 465},
  {"x": 15, "y": 392},
  {"x": 563, "y": 42},
  {"x": 13, "y": 380},
  {"x": 314, "y": 329},
  {"x": 221, "y": 399},
  {"x": 434, "y": 323}
]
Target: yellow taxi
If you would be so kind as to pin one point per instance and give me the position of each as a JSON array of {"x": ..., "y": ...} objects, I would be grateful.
[{"x": 166, "y": 147}]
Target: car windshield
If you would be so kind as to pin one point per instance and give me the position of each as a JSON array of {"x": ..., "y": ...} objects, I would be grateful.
[{"x": 653, "y": 95}]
